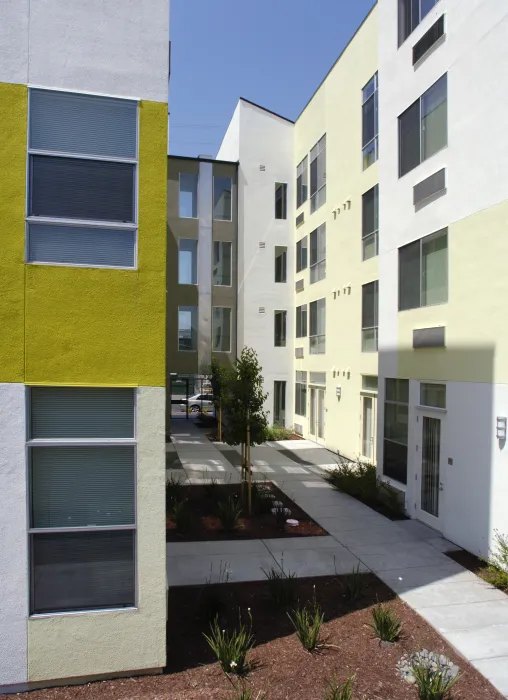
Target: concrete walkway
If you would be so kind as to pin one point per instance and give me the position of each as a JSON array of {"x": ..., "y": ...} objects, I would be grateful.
[{"x": 408, "y": 556}]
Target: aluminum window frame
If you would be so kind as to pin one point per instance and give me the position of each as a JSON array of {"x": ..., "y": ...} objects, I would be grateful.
[
  {"x": 187, "y": 306},
  {"x": 320, "y": 264},
  {"x": 400, "y": 40},
  {"x": 315, "y": 197},
  {"x": 92, "y": 223},
  {"x": 222, "y": 177},
  {"x": 434, "y": 234},
  {"x": 303, "y": 246},
  {"x": 302, "y": 190},
  {"x": 374, "y": 328},
  {"x": 375, "y": 139},
  {"x": 284, "y": 332},
  {"x": 30, "y": 443},
  {"x": 301, "y": 381},
  {"x": 196, "y": 241},
  {"x": 222, "y": 243},
  {"x": 371, "y": 234},
  {"x": 317, "y": 341},
  {"x": 180, "y": 173},
  {"x": 230, "y": 328},
  {"x": 283, "y": 187},
  {"x": 395, "y": 402},
  {"x": 301, "y": 312}
]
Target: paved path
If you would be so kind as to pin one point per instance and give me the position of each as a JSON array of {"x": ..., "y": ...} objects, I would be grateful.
[{"x": 408, "y": 556}]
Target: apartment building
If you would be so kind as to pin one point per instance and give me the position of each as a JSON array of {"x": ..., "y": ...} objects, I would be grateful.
[
  {"x": 394, "y": 347},
  {"x": 82, "y": 348}
]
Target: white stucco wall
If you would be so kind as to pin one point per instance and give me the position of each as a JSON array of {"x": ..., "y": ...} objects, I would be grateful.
[
  {"x": 264, "y": 139},
  {"x": 13, "y": 537},
  {"x": 119, "y": 47},
  {"x": 94, "y": 643}
]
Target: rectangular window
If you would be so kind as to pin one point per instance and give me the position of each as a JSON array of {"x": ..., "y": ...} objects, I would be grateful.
[
  {"x": 370, "y": 146},
  {"x": 221, "y": 329},
  {"x": 301, "y": 254},
  {"x": 396, "y": 429},
  {"x": 188, "y": 197},
  {"x": 411, "y": 13},
  {"x": 279, "y": 403},
  {"x": 301, "y": 182},
  {"x": 98, "y": 192},
  {"x": 280, "y": 329},
  {"x": 317, "y": 327},
  {"x": 318, "y": 175},
  {"x": 281, "y": 253},
  {"x": 222, "y": 198},
  {"x": 187, "y": 327},
  {"x": 317, "y": 266},
  {"x": 433, "y": 395},
  {"x": 369, "y": 383},
  {"x": 423, "y": 127},
  {"x": 370, "y": 316},
  {"x": 82, "y": 498},
  {"x": 187, "y": 261},
  {"x": 222, "y": 258},
  {"x": 301, "y": 394},
  {"x": 370, "y": 223},
  {"x": 423, "y": 272},
  {"x": 301, "y": 321},
  {"x": 428, "y": 40},
  {"x": 281, "y": 200}
]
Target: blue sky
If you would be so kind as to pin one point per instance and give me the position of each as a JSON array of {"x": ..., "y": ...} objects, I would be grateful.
[{"x": 273, "y": 52}]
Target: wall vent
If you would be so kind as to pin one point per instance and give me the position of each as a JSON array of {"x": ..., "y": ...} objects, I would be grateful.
[
  {"x": 299, "y": 353},
  {"x": 262, "y": 168},
  {"x": 262, "y": 310},
  {"x": 300, "y": 219},
  {"x": 430, "y": 187},
  {"x": 299, "y": 285},
  {"x": 429, "y": 337},
  {"x": 262, "y": 244},
  {"x": 298, "y": 428}
]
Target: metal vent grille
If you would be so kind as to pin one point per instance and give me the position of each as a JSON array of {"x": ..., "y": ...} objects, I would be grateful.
[
  {"x": 429, "y": 337},
  {"x": 429, "y": 187},
  {"x": 299, "y": 285},
  {"x": 300, "y": 219},
  {"x": 262, "y": 310},
  {"x": 262, "y": 168},
  {"x": 298, "y": 428},
  {"x": 299, "y": 352},
  {"x": 262, "y": 244}
]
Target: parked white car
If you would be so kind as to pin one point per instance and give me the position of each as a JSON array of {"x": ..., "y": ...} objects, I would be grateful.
[{"x": 198, "y": 402}]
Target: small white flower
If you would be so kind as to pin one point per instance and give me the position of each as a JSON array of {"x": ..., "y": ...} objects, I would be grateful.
[
  {"x": 248, "y": 609},
  {"x": 233, "y": 664}
]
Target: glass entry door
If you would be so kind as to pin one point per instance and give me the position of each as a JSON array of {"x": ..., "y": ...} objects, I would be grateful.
[
  {"x": 368, "y": 427},
  {"x": 279, "y": 403},
  {"x": 430, "y": 477},
  {"x": 317, "y": 413}
]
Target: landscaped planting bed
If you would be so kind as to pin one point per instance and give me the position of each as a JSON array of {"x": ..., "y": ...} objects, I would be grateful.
[
  {"x": 278, "y": 666},
  {"x": 206, "y": 512}
]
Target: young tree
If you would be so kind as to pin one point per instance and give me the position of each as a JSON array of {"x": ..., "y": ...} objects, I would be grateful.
[
  {"x": 246, "y": 419},
  {"x": 219, "y": 377}
]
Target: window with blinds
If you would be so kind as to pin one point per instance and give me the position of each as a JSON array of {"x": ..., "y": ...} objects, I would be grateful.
[
  {"x": 82, "y": 183},
  {"x": 82, "y": 452}
]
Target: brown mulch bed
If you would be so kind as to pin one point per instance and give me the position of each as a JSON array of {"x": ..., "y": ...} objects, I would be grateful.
[
  {"x": 283, "y": 670},
  {"x": 204, "y": 525},
  {"x": 475, "y": 564}
]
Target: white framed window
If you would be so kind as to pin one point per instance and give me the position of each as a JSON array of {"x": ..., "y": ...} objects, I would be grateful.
[
  {"x": 301, "y": 254},
  {"x": 281, "y": 253},
  {"x": 433, "y": 395},
  {"x": 222, "y": 198},
  {"x": 317, "y": 327},
  {"x": 188, "y": 195},
  {"x": 222, "y": 261},
  {"x": 187, "y": 327},
  {"x": 187, "y": 261},
  {"x": 302, "y": 176},
  {"x": 81, "y": 450},
  {"x": 221, "y": 329},
  {"x": 82, "y": 180},
  {"x": 423, "y": 272},
  {"x": 281, "y": 200},
  {"x": 370, "y": 223},
  {"x": 369, "y": 316},
  {"x": 301, "y": 321},
  {"x": 317, "y": 263},
  {"x": 318, "y": 175},
  {"x": 280, "y": 328},
  {"x": 370, "y": 129}
]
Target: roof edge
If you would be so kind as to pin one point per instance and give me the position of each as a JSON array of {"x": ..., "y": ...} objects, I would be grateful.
[{"x": 254, "y": 104}]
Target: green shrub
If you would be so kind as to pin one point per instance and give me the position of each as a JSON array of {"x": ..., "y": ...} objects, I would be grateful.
[
  {"x": 228, "y": 512},
  {"x": 180, "y": 514},
  {"x": 431, "y": 683},
  {"x": 497, "y": 572},
  {"x": 353, "y": 584},
  {"x": 231, "y": 648},
  {"x": 307, "y": 621},
  {"x": 342, "y": 691},
  {"x": 385, "y": 623},
  {"x": 282, "y": 585},
  {"x": 277, "y": 432}
]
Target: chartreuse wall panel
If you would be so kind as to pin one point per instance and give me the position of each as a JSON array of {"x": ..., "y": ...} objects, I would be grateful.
[
  {"x": 13, "y": 118},
  {"x": 104, "y": 326}
]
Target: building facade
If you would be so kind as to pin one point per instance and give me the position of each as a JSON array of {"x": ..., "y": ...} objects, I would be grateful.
[
  {"x": 394, "y": 349},
  {"x": 82, "y": 350}
]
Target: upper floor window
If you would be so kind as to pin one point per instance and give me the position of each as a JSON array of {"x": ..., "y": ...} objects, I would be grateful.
[
  {"x": 281, "y": 200},
  {"x": 281, "y": 263},
  {"x": 318, "y": 175},
  {"x": 222, "y": 198},
  {"x": 221, "y": 329},
  {"x": 370, "y": 147},
  {"x": 188, "y": 196},
  {"x": 301, "y": 393},
  {"x": 280, "y": 328},
  {"x": 301, "y": 182},
  {"x": 423, "y": 272},
  {"x": 370, "y": 316},
  {"x": 411, "y": 13},
  {"x": 187, "y": 261},
  {"x": 317, "y": 329},
  {"x": 222, "y": 259},
  {"x": 82, "y": 185},
  {"x": 187, "y": 327},
  {"x": 317, "y": 266},
  {"x": 370, "y": 223},
  {"x": 301, "y": 321},
  {"x": 428, "y": 40},
  {"x": 301, "y": 254},
  {"x": 423, "y": 127}
]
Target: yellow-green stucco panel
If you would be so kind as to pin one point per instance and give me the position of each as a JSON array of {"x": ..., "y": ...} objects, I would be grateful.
[{"x": 13, "y": 120}]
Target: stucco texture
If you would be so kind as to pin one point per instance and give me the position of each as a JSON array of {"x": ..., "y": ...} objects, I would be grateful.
[
  {"x": 100, "y": 326},
  {"x": 90, "y": 644},
  {"x": 13, "y": 117}
]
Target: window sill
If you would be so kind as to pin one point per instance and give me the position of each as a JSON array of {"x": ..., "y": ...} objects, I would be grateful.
[
  {"x": 431, "y": 408},
  {"x": 44, "y": 616},
  {"x": 81, "y": 265},
  {"x": 429, "y": 52}
]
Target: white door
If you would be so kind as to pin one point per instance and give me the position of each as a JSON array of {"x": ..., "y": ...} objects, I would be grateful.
[
  {"x": 368, "y": 427},
  {"x": 321, "y": 414},
  {"x": 429, "y": 476},
  {"x": 313, "y": 411}
]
